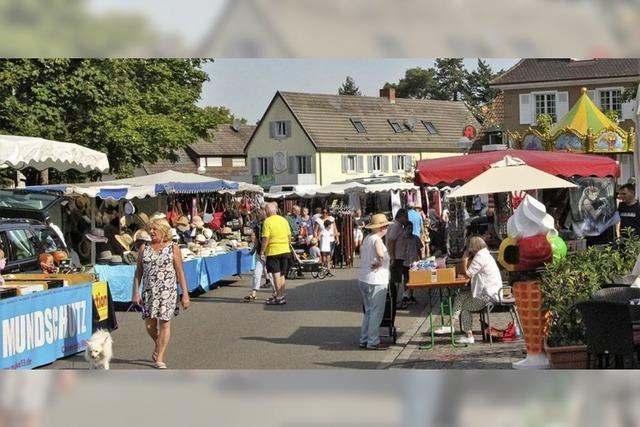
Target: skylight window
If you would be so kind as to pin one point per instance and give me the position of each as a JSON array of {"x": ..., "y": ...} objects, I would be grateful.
[
  {"x": 430, "y": 128},
  {"x": 395, "y": 126},
  {"x": 357, "y": 123}
]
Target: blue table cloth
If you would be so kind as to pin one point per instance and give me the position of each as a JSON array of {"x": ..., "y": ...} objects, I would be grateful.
[{"x": 200, "y": 273}]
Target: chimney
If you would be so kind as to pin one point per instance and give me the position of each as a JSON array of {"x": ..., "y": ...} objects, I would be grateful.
[{"x": 389, "y": 93}]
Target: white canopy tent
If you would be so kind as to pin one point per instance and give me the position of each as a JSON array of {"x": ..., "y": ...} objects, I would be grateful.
[
  {"x": 381, "y": 188},
  {"x": 19, "y": 152}
]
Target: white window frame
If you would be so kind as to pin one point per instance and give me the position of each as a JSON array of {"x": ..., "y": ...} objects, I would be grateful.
[
  {"x": 356, "y": 121},
  {"x": 239, "y": 162},
  {"x": 534, "y": 105},
  {"x": 304, "y": 167},
  {"x": 401, "y": 162},
  {"x": 598, "y": 97},
  {"x": 376, "y": 159},
  {"x": 214, "y": 162},
  {"x": 396, "y": 126},
  {"x": 430, "y": 127},
  {"x": 352, "y": 160},
  {"x": 263, "y": 166},
  {"x": 281, "y": 129}
]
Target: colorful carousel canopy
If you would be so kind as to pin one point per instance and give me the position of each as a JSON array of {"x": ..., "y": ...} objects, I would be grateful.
[{"x": 583, "y": 116}]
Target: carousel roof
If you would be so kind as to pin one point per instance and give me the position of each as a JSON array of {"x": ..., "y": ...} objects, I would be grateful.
[{"x": 585, "y": 115}]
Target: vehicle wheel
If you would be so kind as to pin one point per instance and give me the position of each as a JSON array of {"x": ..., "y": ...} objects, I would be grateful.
[
  {"x": 322, "y": 274},
  {"x": 314, "y": 274}
]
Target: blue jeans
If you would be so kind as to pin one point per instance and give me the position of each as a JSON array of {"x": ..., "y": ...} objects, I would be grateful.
[{"x": 374, "y": 298}]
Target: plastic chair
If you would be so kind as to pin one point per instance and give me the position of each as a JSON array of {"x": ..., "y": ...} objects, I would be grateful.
[
  {"x": 506, "y": 302},
  {"x": 609, "y": 331}
]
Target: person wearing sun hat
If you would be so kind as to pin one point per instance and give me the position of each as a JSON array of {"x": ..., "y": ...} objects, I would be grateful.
[{"x": 373, "y": 282}]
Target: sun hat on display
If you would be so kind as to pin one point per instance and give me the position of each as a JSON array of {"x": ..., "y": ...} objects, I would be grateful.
[
  {"x": 97, "y": 236},
  {"x": 125, "y": 241}
]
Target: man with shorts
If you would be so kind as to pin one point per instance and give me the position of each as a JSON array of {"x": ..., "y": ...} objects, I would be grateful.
[{"x": 276, "y": 250}]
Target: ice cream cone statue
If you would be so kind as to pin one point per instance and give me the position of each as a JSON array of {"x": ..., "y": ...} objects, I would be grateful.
[{"x": 532, "y": 241}]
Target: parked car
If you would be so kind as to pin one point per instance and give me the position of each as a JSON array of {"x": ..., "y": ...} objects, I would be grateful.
[{"x": 22, "y": 240}]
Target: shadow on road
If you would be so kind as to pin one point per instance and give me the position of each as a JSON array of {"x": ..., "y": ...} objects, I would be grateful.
[{"x": 325, "y": 338}]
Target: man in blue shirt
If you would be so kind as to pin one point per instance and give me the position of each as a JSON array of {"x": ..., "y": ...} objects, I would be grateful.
[{"x": 416, "y": 219}]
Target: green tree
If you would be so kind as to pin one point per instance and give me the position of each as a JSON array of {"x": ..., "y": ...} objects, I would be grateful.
[
  {"x": 349, "y": 87},
  {"x": 544, "y": 123},
  {"x": 631, "y": 92},
  {"x": 451, "y": 77},
  {"x": 478, "y": 84},
  {"x": 417, "y": 83},
  {"x": 135, "y": 110}
]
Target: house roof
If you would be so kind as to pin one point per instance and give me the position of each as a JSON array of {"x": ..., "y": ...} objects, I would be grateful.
[
  {"x": 187, "y": 163},
  {"x": 327, "y": 121},
  {"x": 495, "y": 115},
  {"x": 224, "y": 141},
  {"x": 547, "y": 70}
]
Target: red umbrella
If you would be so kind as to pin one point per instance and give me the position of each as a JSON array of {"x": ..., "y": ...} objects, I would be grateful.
[{"x": 458, "y": 169}]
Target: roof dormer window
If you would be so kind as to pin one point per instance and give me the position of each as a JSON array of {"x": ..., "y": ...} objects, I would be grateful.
[
  {"x": 430, "y": 127},
  {"x": 395, "y": 126},
  {"x": 357, "y": 123}
]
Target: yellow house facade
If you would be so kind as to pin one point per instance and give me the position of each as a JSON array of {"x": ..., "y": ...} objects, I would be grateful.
[{"x": 305, "y": 139}]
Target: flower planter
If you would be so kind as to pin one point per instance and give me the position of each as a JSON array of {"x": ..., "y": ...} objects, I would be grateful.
[{"x": 569, "y": 357}]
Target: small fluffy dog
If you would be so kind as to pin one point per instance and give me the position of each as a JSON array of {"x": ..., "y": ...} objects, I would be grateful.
[{"x": 99, "y": 350}]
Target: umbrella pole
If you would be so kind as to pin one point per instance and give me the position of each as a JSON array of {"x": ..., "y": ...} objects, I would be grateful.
[{"x": 93, "y": 226}]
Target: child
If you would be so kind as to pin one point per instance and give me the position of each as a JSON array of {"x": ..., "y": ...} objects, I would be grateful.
[
  {"x": 314, "y": 250},
  {"x": 325, "y": 245}
]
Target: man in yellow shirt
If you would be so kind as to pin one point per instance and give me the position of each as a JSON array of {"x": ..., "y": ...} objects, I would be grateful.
[{"x": 276, "y": 250}]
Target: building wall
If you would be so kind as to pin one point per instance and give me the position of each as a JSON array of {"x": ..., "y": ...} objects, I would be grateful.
[
  {"x": 512, "y": 104},
  {"x": 298, "y": 144},
  {"x": 331, "y": 165}
]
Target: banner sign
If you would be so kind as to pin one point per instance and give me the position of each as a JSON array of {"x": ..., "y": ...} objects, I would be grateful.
[
  {"x": 39, "y": 328},
  {"x": 593, "y": 206},
  {"x": 101, "y": 300}
]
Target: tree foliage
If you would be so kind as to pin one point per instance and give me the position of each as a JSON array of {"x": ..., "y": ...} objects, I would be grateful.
[
  {"x": 478, "y": 80},
  {"x": 417, "y": 83},
  {"x": 452, "y": 79},
  {"x": 135, "y": 110},
  {"x": 349, "y": 87}
]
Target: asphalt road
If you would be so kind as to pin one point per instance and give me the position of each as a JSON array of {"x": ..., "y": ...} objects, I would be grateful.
[{"x": 317, "y": 328}]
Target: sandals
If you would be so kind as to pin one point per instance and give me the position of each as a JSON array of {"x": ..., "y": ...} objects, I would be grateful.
[
  {"x": 249, "y": 298},
  {"x": 154, "y": 356},
  {"x": 160, "y": 365},
  {"x": 277, "y": 301}
]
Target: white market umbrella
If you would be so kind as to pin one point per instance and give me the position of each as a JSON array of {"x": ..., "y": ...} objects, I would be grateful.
[
  {"x": 510, "y": 174},
  {"x": 19, "y": 152}
]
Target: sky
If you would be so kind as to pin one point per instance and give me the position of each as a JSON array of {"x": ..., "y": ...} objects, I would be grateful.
[{"x": 246, "y": 86}]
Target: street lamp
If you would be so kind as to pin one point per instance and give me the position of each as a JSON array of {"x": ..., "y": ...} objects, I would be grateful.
[{"x": 464, "y": 144}]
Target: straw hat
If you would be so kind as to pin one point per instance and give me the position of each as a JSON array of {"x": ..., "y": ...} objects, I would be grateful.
[
  {"x": 226, "y": 230},
  {"x": 125, "y": 241},
  {"x": 141, "y": 235},
  {"x": 84, "y": 248},
  {"x": 115, "y": 260},
  {"x": 182, "y": 223},
  {"x": 208, "y": 233},
  {"x": 200, "y": 238},
  {"x": 197, "y": 222},
  {"x": 158, "y": 215},
  {"x": 80, "y": 203},
  {"x": 104, "y": 256},
  {"x": 143, "y": 217},
  {"x": 377, "y": 221}
]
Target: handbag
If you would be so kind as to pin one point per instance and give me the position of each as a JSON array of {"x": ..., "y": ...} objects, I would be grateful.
[
  {"x": 207, "y": 217},
  {"x": 218, "y": 218}
]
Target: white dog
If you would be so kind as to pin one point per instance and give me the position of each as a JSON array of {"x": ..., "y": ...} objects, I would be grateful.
[{"x": 99, "y": 350}]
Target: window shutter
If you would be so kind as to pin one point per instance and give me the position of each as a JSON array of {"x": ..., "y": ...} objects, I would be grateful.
[
  {"x": 394, "y": 163},
  {"x": 311, "y": 164},
  {"x": 344, "y": 164},
  {"x": 287, "y": 127},
  {"x": 293, "y": 165},
  {"x": 562, "y": 104},
  {"x": 370, "y": 164},
  {"x": 254, "y": 166},
  {"x": 360, "y": 164},
  {"x": 628, "y": 110},
  {"x": 269, "y": 166},
  {"x": 272, "y": 129},
  {"x": 526, "y": 111},
  {"x": 385, "y": 163}
]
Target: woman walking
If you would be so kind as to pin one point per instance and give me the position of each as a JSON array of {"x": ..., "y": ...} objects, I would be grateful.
[
  {"x": 373, "y": 281},
  {"x": 261, "y": 268},
  {"x": 159, "y": 268}
]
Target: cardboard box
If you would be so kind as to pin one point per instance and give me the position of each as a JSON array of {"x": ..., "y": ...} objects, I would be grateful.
[
  {"x": 446, "y": 274},
  {"x": 421, "y": 276},
  {"x": 25, "y": 288},
  {"x": 443, "y": 275}
]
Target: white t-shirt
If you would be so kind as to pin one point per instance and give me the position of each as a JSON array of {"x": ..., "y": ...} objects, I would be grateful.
[
  {"x": 485, "y": 275},
  {"x": 314, "y": 252},
  {"x": 325, "y": 240},
  {"x": 380, "y": 276}
]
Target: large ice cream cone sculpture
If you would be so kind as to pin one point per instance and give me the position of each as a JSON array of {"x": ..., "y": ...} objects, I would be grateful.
[{"x": 529, "y": 303}]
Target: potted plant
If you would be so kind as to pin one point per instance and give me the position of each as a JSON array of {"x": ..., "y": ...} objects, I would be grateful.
[{"x": 571, "y": 280}]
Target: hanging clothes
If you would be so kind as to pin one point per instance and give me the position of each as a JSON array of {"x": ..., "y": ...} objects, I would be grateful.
[
  {"x": 410, "y": 197},
  {"x": 354, "y": 201},
  {"x": 437, "y": 203},
  {"x": 395, "y": 202},
  {"x": 417, "y": 198}
]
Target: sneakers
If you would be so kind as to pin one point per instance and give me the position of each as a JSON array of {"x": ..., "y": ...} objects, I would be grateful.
[
  {"x": 465, "y": 340},
  {"x": 443, "y": 330},
  {"x": 412, "y": 300},
  {"x": 379, "y": 347}
]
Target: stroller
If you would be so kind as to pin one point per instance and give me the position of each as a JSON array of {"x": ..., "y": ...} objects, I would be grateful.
[{"x": 300, "y": 266}]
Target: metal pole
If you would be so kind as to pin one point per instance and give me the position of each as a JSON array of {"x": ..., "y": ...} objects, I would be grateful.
[{"x": 93, "y": 226}]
